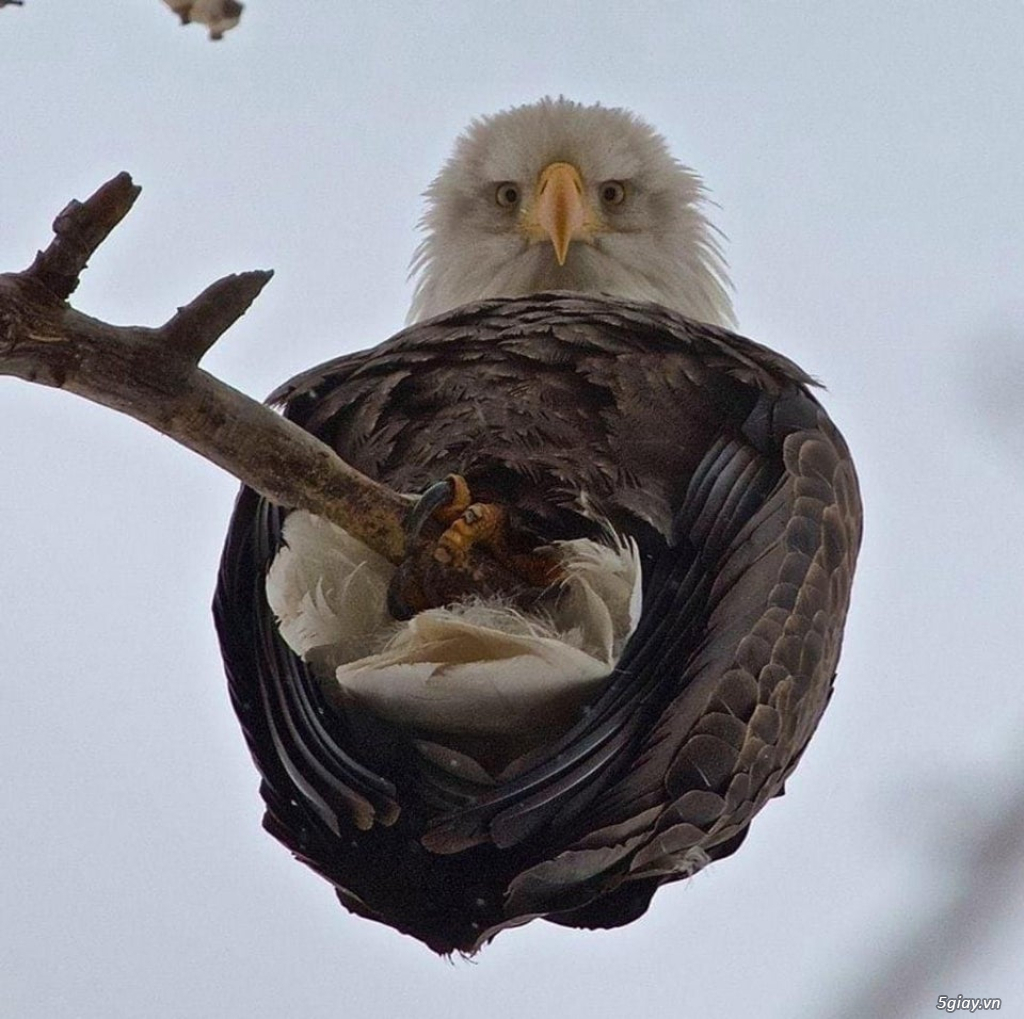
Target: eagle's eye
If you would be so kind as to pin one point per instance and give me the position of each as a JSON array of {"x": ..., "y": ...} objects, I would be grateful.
[
  {"x": 613, "y": 192},
  {"x": 506, "y": 194}
]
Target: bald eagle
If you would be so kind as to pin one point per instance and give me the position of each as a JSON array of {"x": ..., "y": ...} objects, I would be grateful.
[{"x": 678, "y": 513}]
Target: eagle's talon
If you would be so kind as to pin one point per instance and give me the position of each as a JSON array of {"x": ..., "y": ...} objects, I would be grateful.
[
  {"x": 444, "y": 501},
  {"x": 402, "y": 605},
  {"x": 433, "y": 498},
  {"x": 441, "y": 568},
  {"x": 461, "y": 499},
  {"x": 480, "y": 524}
]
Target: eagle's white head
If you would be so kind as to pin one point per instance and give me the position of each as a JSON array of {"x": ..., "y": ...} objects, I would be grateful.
[{"x": 560, "y": 196}]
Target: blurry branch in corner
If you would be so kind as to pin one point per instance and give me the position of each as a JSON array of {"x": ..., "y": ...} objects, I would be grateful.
[
  {"x": 153, "y": 375},
  {"x": 983, "y": 865}
]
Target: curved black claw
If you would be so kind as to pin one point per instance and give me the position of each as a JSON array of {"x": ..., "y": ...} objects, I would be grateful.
[
  {"x": 440, "y": 493},
  {"x": 435, "y": 497},
  {"x": 398, "y": 608}
]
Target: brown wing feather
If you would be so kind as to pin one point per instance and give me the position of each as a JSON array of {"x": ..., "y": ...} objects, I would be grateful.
[
  {"x": 711, "y": 452},
  {"x": 752, "y": 694}
]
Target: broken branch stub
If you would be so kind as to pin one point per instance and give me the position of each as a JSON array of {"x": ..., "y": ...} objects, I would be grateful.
[{"x": 153, "y": 376}]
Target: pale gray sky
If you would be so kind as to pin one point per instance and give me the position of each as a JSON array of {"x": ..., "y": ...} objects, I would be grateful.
[{"x": 869, "y": 163}]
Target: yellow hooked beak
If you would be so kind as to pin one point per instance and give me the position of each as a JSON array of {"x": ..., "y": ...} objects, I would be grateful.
[{"x": 560, "y": 211}]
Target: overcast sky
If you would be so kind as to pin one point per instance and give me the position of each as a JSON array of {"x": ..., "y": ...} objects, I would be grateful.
[{"x": 868, "y": 159}]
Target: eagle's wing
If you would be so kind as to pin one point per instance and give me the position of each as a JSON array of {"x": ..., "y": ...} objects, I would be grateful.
[{"x": 705, "y": 448}]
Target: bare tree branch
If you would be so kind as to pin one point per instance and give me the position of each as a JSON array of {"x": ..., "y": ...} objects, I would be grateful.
[
  {"x": 153, "y": 376},
  {"x": 78, "y": 231}
]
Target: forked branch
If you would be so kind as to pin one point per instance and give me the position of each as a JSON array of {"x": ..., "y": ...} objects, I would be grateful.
[{"x": 153, "y": 375}]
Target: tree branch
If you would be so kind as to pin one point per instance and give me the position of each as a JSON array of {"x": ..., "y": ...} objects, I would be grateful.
[
  {"x": 78, "y": 231},
  {"x": 153, "y": 376}
]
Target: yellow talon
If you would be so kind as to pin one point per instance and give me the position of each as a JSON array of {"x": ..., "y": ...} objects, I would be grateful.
[{"x": 479, "y": 523}]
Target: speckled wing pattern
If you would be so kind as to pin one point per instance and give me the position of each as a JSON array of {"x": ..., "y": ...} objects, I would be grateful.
[{"x": 711, "y": 452}]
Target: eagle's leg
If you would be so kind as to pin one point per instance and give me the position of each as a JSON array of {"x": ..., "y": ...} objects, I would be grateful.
[{"x": 439, "y": 570}]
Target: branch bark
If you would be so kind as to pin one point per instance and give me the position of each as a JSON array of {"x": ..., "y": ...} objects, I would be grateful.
[{"x": 153, "y": 376}]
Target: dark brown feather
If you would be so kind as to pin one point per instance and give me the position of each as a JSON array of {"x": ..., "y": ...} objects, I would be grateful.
[{"x": 705, "y": 447}]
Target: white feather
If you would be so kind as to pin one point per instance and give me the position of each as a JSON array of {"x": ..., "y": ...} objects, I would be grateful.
[
  {"x": 479, "y": 667},
  {"x": 328, "y": 592}
]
